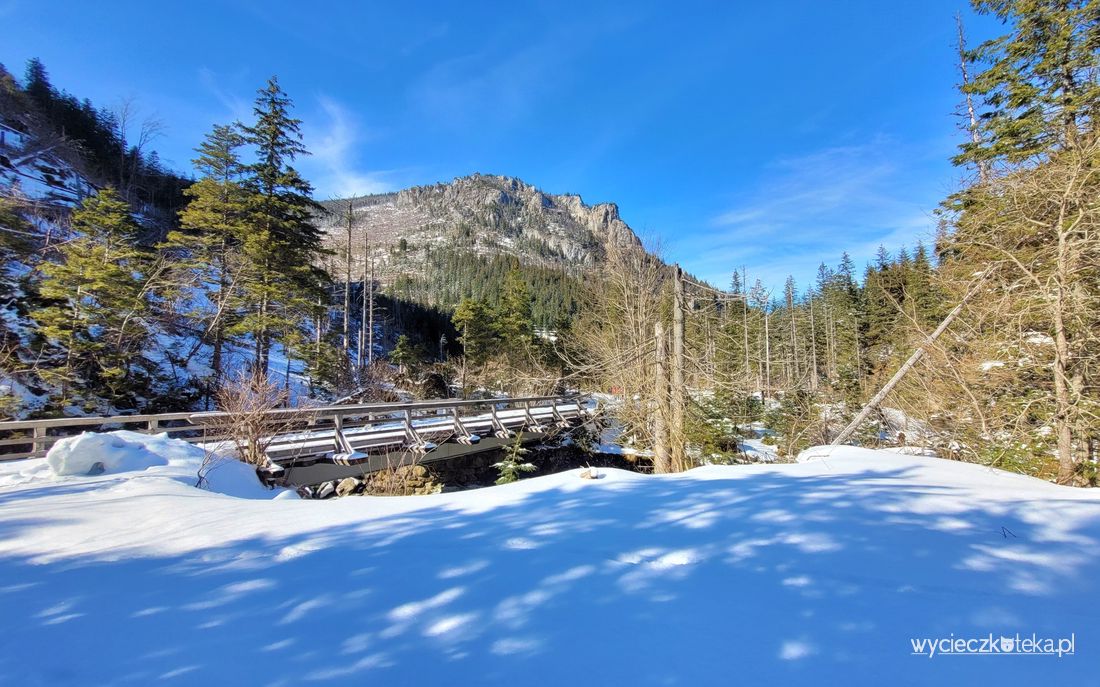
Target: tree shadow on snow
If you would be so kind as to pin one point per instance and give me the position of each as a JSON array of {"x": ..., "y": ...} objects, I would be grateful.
[{"x": 769, "y": 577}]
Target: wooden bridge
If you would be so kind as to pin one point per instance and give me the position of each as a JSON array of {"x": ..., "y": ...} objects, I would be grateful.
[{"x": 314, "y": 445}]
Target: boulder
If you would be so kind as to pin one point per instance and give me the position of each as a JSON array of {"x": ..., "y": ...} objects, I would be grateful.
[{"x": 348, "y": 486}]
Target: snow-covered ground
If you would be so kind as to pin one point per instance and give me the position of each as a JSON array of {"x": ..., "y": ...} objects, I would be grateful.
[{"x": 818, "y": 572}]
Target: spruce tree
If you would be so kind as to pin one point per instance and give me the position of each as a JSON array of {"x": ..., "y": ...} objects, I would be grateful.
[
  {"x": 923, "y": 298},
  {"x": 213, "y": 226},
  {"x": 1038, "y": 90},
  {"x": 98, "y": 297},
  {"x": 16, "y": 242},
  {"x": 880, "y": 303},
  {"x": 406, "y": 355},
  {"x": 282, "y": 244},
  {"x": 476, "y": 330},
  {"x": 1027, "y": 235},
  {"x": 513, "y": 315},
  {"x": 36, "y": 84}
]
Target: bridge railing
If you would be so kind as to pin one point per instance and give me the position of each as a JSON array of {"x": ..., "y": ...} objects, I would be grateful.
[{"x": 20, "y": 439}]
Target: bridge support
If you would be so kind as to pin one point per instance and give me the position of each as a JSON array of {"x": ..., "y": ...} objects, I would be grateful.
[
  {"x": 499, "y": 430},
  {"x": 417, "y": 444}
]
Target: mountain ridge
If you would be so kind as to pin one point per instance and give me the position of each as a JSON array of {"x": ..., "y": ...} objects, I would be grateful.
[{"x": 483, "y": 213}]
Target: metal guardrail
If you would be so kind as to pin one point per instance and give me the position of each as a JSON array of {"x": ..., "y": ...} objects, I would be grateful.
[{"x": 22, "y": 439}]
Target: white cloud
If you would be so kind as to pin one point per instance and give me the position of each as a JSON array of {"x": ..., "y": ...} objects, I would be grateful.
[
  {"x": 334, "y": 145},
  {"x": 811, "y": 208},
  {"x": 236, "y": 107}
]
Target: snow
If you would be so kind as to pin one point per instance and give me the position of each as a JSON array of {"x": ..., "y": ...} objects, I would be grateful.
[
  {"x": 91, "y": 453},
  {"x": 123, "y": 459},
  {"x": 757, "y": 450},
  {"x": 817, "y": 572},
  {"x": 1040, "y": 339}
]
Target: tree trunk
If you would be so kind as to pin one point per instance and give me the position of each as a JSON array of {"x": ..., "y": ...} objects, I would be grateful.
[
  {"x": 347, "y": 291},
  {"x": 262, "y": 336},
  {"x": 661, "y": 460},
  {"x": 972, "y": 127},
  {"x": 1063, "y": 404},
  {"x": 677, "y": 395},
  {"x": 370, "y": 315},
  {"x": 794, "y": 347},
  {"x": 767, "y": 358},
  {"x": 813, "y": 347},
  {"x": 745, "y": 302},
  {"x": 878, "y": 398}
]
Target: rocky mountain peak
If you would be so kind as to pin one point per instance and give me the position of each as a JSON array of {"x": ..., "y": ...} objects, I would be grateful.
[{"x": 487, "y": 214}]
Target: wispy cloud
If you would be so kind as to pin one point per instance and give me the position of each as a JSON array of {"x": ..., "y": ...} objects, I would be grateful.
[
  {"x": 236, "y": 107},
  {"x": 335, "y": 145},
  {"x": 811, "y": 208},
  {"x": 425, "y": 37},
  {"x": 512, "y": 71},
  {"x": 484, "y": 85}
]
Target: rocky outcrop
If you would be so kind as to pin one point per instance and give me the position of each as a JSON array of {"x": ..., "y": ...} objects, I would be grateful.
[{"x": 486, "y": 213}]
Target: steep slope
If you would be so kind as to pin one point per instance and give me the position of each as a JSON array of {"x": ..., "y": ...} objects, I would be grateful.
[
  {"x": 52, "y": 157},
  {"x": 434, "y": 245},
  {"x": 487, "y": 214}
]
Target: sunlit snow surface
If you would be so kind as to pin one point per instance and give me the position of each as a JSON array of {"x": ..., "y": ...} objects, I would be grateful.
[{"x": 818, "y": 572}]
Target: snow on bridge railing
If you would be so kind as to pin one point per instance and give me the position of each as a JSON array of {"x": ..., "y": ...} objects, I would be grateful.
[{"x": 21, "y": 439}]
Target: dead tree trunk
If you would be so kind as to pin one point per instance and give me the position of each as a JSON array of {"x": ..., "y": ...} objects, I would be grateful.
[
  {"x": 767, "y": 356},
  {"x": 972, "y": 125},
  {"x": 347, "y": 289},
  {"x": 370, "y": 315},
  {"x": 661, "y": 460},
  {"x": 813, "y": 347},
  {"x": 745, "y": 302},
  {"x": 878, "y": 398},
  {"x": 677, "y": 429}
]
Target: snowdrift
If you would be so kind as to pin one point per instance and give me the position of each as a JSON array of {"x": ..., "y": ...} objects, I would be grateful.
[
  {"x": 121, "y": 457},
  {"x": 820, "y": 572}
]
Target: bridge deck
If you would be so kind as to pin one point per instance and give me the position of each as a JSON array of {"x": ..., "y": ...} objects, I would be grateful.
[
  {"x": 318, "y": 444},
  {"x": 317, "y": 457}
]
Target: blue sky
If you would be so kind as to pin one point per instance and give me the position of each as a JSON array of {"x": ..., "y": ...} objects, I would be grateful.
[{"x": 770, "y": 135}]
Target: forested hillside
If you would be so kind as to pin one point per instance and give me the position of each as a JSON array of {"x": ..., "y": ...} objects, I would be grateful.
[
  {"x": 435, "y": 245},
  {"x": 134, "y": 288},
  {"x": 1011, "y": 381},
  {"x": 131, "y": 287}
]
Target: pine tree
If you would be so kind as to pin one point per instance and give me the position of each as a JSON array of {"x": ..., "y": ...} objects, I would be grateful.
[
  {"x": 98, "y": 297},
  {"x": 213, "y": 226},
  {"x": 513, "y": 315},
  {"x": 513, "y": 464},
  {"x": 1039, "y": 88},
  {"x": 477, "y": 330},
  {"x": 283, "y": 244}
]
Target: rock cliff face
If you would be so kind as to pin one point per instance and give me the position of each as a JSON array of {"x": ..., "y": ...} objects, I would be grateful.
[{"x": 487, "y": 214}]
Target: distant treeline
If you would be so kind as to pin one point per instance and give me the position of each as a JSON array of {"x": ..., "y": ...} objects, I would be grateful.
[{"x": 113, "y": 147}]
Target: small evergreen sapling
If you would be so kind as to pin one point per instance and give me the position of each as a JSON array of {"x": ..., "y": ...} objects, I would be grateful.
[{"x": 513, "y": 464}]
